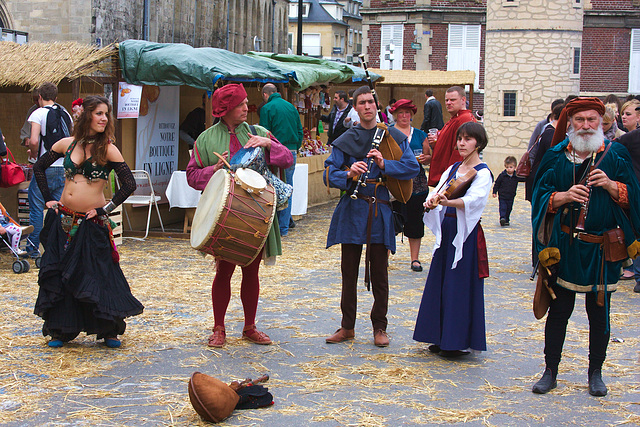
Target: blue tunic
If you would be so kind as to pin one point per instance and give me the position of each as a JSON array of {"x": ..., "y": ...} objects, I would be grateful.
[{"x": 349, "y": 221}]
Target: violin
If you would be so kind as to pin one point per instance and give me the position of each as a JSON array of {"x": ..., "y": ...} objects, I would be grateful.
[{"x": 455, "y": 188}]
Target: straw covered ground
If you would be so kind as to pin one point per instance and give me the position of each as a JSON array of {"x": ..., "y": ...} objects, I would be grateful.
[{"x": 313, "y": 383}]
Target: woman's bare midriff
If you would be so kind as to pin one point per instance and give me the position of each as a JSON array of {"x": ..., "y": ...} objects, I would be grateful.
[{"x": 82, "y": 195}]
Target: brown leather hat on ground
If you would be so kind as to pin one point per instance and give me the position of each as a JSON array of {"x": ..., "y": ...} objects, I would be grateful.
[{"x": 212, "y": 399}]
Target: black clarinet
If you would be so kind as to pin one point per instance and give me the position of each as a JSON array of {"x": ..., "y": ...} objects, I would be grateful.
[{"x": 377, "y": 138}]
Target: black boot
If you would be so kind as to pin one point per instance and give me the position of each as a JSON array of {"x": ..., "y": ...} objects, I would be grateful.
[
  {"x": 546, "y": 383},
  {"x": 596, "y": 385}
]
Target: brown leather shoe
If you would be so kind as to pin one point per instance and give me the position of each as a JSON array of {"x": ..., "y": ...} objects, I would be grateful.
[
  {"x": 217, "y": 339},
  {"x": 341, "y": 335},
  {"x": 380, "y": 338},
  {"x": 250, "y": 333}
]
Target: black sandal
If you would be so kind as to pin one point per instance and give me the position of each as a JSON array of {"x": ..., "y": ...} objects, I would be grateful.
[{"x": 415, "y": 267}]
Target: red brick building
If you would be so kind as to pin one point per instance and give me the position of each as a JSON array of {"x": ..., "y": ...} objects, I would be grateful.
[{"x": 450, "y": 35}]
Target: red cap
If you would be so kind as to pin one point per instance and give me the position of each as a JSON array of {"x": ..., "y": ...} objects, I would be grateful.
[
  {"x": 227, "y": 98},
  {"x": 403, "y": 103}
]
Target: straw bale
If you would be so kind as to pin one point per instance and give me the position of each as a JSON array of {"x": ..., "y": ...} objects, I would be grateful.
[
  {"x": 31, "y": 64},
  {"x": 425, "y": 77}
]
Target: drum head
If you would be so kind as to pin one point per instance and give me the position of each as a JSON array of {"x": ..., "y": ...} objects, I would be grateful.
[
  {"x": 209, "y": 208},
  {"x": 251, "y": 179},
  {"x": 244, "y": 156}
]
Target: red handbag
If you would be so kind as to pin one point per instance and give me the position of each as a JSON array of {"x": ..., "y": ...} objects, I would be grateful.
[{"x": 12, "y": 173}]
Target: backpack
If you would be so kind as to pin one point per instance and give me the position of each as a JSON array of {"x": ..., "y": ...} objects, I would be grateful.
[{"x": 58, "y": 126}]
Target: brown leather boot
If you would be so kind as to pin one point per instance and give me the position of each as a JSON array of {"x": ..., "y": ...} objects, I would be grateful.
[
  {"x": 380, "y": 338},
  {"x": 341, "y": 335}
]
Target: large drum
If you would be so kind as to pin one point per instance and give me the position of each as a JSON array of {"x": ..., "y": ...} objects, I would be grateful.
[{"x": 234, "y": 216}]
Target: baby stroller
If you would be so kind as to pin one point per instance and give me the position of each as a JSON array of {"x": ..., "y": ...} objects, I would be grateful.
[{"x": 20, "y": 265}]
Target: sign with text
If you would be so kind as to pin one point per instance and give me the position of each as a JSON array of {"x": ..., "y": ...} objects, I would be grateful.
[
  {"x": 157, "y": 136},
  {"x": 128, "y": 101}
]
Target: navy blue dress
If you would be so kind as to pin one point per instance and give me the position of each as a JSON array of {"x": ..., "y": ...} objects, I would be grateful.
[{"x": 451, "y": 312}]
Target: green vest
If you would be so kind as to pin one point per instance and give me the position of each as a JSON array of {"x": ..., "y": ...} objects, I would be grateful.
[{"x": 216, "y": 139}]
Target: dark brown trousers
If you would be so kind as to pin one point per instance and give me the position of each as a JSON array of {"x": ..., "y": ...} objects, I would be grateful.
[{"x": 379, "y": 282}]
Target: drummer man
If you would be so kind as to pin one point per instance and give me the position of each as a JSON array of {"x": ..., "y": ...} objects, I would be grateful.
[
  {"x": 226, "y": 137},
  {"x": 368, "y": 217}
]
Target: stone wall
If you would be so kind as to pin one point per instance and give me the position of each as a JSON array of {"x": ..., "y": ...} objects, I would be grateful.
[
  {"x": 55, "y": 20},
  {"x": 530, "y": 49},
  {"x": 195, "y": 22}
]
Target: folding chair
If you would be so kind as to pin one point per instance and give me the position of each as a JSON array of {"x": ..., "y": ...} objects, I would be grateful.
[{"x": 143, "y": 182}]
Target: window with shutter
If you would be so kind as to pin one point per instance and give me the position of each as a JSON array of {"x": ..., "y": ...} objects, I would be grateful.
[
  {"x": 634, "y": 62},
  {"x": 464, "y": 49},
  {"x": 391, "y": 50}
]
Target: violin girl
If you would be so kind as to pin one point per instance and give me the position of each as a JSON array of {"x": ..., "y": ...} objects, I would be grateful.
[{"x": 451, "y": 315}]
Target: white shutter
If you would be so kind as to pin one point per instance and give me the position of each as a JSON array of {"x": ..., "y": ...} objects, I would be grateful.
[
  {"x": 311, "y": 44},
  {"x": 634, "y": 62},
  {"x": 391, "y": 34},
  {"x": 464, "y": 49}
]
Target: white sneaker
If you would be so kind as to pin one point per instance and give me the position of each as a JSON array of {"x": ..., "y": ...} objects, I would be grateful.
[{"x": 21, "y": 252}]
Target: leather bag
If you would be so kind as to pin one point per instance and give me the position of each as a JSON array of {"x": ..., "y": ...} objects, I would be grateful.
[
  {"x": 524, "y": 166},
  {"x": 12, "y": 173},
  {"x": 613, "y": 244}
]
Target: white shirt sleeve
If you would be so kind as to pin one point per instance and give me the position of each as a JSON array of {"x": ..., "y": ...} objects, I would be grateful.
[
  {"x": 475, "y": 200},
  {"x": 39, "y": 116}
]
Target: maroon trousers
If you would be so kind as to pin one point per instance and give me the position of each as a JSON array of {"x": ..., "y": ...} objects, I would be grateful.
[
  {"x": 249, "y": 290},
  {"x": 379, "y": 283}
]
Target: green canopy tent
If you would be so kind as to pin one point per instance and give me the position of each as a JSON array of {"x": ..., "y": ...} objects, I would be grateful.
[
  {"x": 174, "y": 64},
  {"x": 309, "y": 71}
]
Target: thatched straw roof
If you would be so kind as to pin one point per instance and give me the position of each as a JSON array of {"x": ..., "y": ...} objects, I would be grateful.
[
  {"x": 32, "y": 64},
  {"x": 425, "y": 77}
]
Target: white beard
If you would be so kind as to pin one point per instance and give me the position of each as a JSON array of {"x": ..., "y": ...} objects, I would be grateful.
[{"x": 586, "y": 140}]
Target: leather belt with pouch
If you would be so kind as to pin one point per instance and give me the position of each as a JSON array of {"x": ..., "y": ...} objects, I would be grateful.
[{"x": 612, "y": 242}]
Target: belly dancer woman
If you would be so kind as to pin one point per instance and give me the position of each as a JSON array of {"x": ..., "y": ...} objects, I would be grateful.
[{"x": 82, "y": 288}]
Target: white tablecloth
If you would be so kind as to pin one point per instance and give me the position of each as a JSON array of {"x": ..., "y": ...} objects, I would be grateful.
[
  {"x": 179, "y": 194},
  {"x": 300, "y": 197}
]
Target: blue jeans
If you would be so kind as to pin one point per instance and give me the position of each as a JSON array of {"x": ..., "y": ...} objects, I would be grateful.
[
  {"x": 284, "y": 216},
  {"x": 504, "y": 207},
  {"x": 636, "y": 269},
  {"x": 55, "y": 181}
]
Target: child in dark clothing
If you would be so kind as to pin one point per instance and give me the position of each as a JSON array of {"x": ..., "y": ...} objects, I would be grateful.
[{"x": 505, "y": 189}]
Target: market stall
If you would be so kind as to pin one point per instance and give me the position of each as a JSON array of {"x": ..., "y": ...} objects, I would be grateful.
[
  {"x": 411, "y": 84},
  {"x": 195, "y": 69},
  {"x": 77, "y": 69}
]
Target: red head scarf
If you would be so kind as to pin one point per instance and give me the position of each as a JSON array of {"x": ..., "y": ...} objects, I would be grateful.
[
  {"x": 575, "y": 106},
  {"x": 227, "y": 98},
  {"x": 403, "y": 103}
]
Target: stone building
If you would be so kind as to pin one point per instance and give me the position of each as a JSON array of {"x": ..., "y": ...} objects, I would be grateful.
[
  {"x": 331, "y": 29},
  {"x": 527, "y": 52},
  {"x": 236, "y": 25},
  {"x": 532, "y": 48}
]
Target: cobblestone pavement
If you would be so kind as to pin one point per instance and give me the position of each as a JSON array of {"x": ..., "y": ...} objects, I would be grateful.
[{"x": 144, "y": 383}]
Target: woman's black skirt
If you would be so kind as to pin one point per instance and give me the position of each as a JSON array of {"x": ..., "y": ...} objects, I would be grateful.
[{"x": 81, "y": 287}]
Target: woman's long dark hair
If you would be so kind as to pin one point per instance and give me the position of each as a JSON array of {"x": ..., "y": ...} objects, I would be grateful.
[{"x": 83, "y": 126}]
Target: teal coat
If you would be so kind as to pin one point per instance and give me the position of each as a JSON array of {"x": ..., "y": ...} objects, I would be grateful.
[
  {"x": 283, "y": 120},
  {"x": 580, "y": 262}
]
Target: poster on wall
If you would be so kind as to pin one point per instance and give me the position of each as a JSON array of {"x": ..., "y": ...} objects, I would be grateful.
[
  {"x": 157, "y": 134},
  {"x": 128, "y": 100}
]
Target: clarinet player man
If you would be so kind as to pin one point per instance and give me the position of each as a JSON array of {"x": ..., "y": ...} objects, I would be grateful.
[
  {"x": 583, "y": 259},
  {"x": 367, "y": 219}
]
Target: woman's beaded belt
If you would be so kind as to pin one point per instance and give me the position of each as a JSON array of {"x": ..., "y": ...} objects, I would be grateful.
[{"x": 70, "y": 219}]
